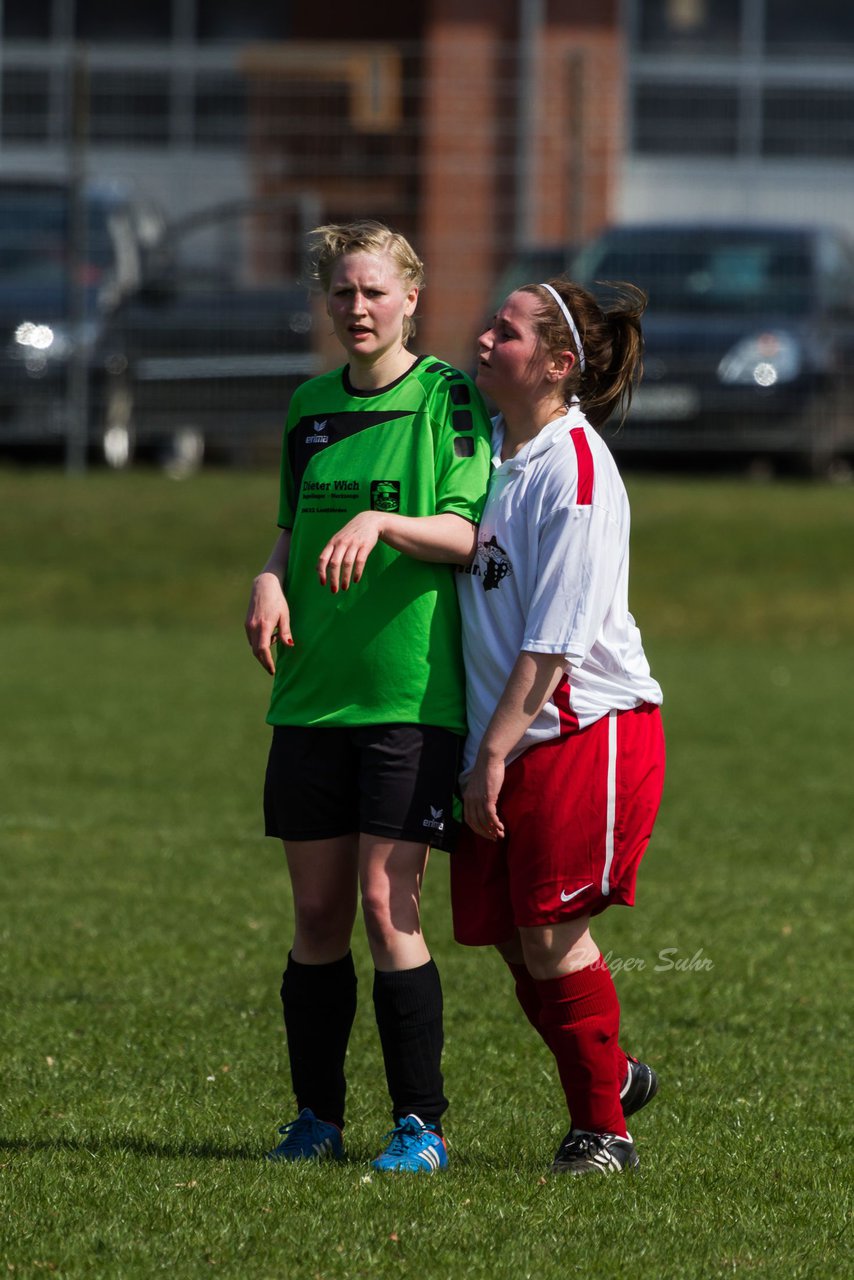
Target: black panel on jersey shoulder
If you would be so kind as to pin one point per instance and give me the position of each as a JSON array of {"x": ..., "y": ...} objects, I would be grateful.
[
  {"x": 312, "y": 434},
  {"x": 459, "y": 393},
  {"x": 447, "y": 371},
  {"x": 376, "y": 391}
]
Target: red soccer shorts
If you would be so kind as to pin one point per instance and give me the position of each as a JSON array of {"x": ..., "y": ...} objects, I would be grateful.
[{"x": 578, "y": 813}]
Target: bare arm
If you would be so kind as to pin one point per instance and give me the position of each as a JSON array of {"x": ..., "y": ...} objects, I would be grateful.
[
  {"x": 268, "y": 615},
  {"x": 447, "y": 539},
  {"x": 529, "y": 686}
]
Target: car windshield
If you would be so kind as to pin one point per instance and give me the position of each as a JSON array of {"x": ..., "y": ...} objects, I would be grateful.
[
  {"x": 716, "y": 273},
  {"x": 35, "y": 244},
  {"x": 531, "y": 267}
]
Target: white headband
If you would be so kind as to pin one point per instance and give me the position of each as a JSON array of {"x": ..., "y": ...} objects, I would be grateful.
[{"x": 569, "y": 320}]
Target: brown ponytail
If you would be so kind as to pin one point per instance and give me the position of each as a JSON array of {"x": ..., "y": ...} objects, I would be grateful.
[{"x": 611, "y": 340}]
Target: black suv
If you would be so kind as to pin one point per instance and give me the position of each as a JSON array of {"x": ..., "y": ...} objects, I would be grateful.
[
  {"x": 749, "y": 340},
  {"x": 219, "y": 333},
  {"x": 47, "y": 324}
]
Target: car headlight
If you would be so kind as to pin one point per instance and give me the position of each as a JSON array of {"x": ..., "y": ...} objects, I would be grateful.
[
  {"x": 762, "y": 360},
  {"x": 53, "y": 341}
]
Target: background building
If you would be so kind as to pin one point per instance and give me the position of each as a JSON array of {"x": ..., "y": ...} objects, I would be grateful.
[
  {"x": 478, "y": 127},
  {"x": 741, "y": 108}
]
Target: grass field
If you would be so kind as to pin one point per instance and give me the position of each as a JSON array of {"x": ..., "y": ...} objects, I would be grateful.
[{"x": 145, "y": 921}]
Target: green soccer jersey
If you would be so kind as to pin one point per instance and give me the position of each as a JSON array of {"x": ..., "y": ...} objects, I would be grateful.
[{"x": 386, "y": 651}]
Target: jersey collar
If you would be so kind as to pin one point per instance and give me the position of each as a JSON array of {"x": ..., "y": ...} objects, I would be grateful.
[{"x": 540, "y": 444}]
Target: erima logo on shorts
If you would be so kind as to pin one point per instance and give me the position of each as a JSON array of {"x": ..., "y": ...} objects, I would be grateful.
[
  {"x": 385, "y": 495},
  {"x": 435, "y": 822},
  {"x": 318, "y": 437}
]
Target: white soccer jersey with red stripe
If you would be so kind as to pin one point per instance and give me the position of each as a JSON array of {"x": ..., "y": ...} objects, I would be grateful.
[{"x": 551, "y": 575}]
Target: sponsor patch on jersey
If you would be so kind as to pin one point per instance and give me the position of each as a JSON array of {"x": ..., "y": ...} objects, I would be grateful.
[
  {"x": 385, "y": 495},
  {"x": 496, "y": 563}
]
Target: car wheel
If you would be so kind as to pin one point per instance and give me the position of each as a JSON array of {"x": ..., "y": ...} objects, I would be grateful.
[
  {"x": 825, "y": 428},
  {"x": 184, "y": 452},
  {"x": 117, "y": 443}
]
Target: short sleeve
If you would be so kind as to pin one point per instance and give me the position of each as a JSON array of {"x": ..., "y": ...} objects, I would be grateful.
[
  {"x": 462, "y": 435},
  {"x": 579, "y": 551}
]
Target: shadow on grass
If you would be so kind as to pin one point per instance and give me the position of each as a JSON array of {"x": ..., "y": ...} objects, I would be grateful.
[
  {"x": 358, "y": 1157},
  {"x": 133, "y": 1145}
]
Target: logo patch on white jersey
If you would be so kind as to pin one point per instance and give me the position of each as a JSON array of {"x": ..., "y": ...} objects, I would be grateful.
[{"x": 496, "y": 562}]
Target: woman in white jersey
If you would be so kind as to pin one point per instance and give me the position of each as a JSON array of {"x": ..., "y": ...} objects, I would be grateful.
[
  {"x": 384, "y": 470},
  {"x": 564, "y": 762}
]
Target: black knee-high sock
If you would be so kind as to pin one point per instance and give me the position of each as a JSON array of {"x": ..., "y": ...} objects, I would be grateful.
[
  {"x": 319, "y": 1004},
  {"x": 408, "y": 1007}
]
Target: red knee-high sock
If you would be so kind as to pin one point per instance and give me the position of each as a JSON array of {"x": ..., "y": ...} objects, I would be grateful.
[
  {"x": 529, "y": 1001},
  {"x": 527, "y": 995},
  {"x": 580, "y": 1022}
]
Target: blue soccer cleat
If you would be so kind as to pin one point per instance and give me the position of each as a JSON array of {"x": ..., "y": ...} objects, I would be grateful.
[
  {"x": 413, "y": 1148},
  {"x": 308, "y": 1138}
]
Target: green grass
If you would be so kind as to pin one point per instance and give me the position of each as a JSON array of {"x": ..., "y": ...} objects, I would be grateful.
[{"x": 145, "y": 921}]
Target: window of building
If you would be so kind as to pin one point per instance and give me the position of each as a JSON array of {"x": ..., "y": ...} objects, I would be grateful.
[
  {"x": 793, "y": 28},
  {"x": 250, "y": 20},
  {"x": 686, "y": 119},
  {"x": 129, "y": 108},
  {"x": 809, "y": 123},
  {"x": 693, "y": 26},
  {"x": 220, "y": 111},
  {"x": 107, "y": 20},
  {"x": 26, "y": 19},
  {"x": 25, "y": 105}
]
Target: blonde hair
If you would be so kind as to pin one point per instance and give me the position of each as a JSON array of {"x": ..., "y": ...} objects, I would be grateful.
[
  {"x": 610, "y": 335},
  {"x": 328, "y": 243}
]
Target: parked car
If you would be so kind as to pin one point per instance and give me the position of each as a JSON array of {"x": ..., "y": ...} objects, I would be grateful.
[
  {"x": 218, "y": 334},
  {"x": 749, "y": 339},
  {"x": 539, "y": 262},
  {"x": 56, "y": 299}
]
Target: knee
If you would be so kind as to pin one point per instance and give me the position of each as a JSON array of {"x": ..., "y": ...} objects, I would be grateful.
[
  {"x": 376, "y": 910},
  {"x": 538, "y": 956},
  {"x": 550, "y": 956},
  {"x": 320, "y": 922}
]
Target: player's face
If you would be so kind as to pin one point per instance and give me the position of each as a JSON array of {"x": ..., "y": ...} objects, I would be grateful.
[
  {"x": 511, "y": 363},
  {"x": 368, "y": 302}
]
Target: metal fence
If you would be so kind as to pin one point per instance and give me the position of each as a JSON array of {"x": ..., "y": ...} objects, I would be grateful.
[{"x": 167, "y": 293}]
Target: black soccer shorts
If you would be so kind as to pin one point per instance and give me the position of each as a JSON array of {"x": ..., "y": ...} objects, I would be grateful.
[{"x": 398, "y": 781}]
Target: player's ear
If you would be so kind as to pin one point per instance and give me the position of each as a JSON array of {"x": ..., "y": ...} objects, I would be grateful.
[
  {"x": 561, "y": 366},
  {"x": 411, "y": 300}
]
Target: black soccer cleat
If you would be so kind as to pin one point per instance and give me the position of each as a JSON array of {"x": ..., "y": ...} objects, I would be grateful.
[
  {"x": 583, "y": 1152},
  {"x": 640, "y": 1087}
]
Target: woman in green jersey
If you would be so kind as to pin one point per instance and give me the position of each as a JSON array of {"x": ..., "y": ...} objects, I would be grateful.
[{"x": 384, "y": 471}]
